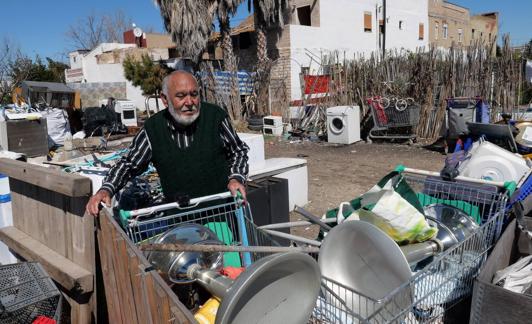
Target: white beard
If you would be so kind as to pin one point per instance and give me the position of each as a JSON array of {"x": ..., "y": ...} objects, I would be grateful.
[{"x": 183, "y": 120}]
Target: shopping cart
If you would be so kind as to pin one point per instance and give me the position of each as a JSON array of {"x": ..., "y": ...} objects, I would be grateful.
[
  {"x": 392, "y": 123},
  {"x": 448, "y": 278},
  {"x": 226, "y": 216}
]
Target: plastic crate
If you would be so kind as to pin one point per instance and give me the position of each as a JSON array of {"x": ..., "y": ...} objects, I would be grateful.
[{"x": 26, "y": 291}]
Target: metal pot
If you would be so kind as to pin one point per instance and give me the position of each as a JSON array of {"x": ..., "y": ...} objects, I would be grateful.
[
  {"x": 173, "y": 265},
  {"x": 453, "y": 224}
]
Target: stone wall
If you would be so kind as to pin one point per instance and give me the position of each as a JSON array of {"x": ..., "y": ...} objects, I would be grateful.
[{"x": 92, "y": 93}]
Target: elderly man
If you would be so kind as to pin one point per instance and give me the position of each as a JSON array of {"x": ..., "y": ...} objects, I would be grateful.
[{"x": 191, "y": 144}]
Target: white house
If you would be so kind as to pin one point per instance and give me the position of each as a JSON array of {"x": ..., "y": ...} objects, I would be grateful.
[
  {"x": 104, "y": 64},
  {"x": 351, "y": 28}
]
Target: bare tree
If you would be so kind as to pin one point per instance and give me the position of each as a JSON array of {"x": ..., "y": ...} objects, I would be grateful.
[
  {"x": 88, "y": 32},
  {"x": 10, "y": 54}
]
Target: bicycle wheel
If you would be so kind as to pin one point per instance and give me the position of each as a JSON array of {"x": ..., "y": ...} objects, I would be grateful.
[
  {"x": 401, "y": 104},
  {"x": 384, "y": 102}
]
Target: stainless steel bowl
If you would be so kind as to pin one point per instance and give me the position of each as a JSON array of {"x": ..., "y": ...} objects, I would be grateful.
[
  {"x": 173, "y": 265},
  {"x": 453, "y": 224}
]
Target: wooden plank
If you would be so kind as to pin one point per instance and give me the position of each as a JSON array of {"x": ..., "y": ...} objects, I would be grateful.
[
  {"x": 153, "y": 299},
  {"x": 110, "y": 286},
  {"x": 56, "y": 220},
  {"x": 187, "y": 316},
  {"x": 79, "y": 313},
  {"x": 163, "y": 304},
  {"x": 82, "y": 234},
  {"x": 71, "y": 185},
  {"x": 68, "y": 274},
  {"x": 136, "y": 276},
  {"x": 150, "y": 297},
  {"x": 123, "y": 269}
]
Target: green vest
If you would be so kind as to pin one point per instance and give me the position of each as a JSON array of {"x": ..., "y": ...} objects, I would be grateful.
[{"x": 199, "y": 170}]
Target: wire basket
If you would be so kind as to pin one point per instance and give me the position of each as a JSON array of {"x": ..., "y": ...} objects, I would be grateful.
[
  {"x": 26, "y": 291},
  {"x": 227, "y": 218},
  {"x": 390, "y": 117},
  {"x": 445, "y": 280}
]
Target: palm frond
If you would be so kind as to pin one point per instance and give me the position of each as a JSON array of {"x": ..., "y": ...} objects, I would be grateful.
[{"x": 190, "y": 22}]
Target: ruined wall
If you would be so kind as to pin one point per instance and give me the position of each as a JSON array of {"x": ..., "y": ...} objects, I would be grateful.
[
  {"x": 92, "y": 93},
  {"x": 485, "y": 28}
]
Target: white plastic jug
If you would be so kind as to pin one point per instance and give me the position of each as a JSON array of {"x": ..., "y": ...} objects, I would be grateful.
[{"x": 6, "y": 218}]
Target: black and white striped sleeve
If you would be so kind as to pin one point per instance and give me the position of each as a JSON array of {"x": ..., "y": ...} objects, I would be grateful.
[
  {"x": 236, "y": 150},
  {"x": 134, "y": 163}
]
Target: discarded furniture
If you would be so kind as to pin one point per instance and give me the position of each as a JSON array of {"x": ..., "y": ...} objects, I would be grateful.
[{"x": 49, "y": 227}]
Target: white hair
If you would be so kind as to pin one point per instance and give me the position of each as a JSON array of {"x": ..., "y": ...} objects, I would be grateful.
[{"x": 166, "y": 80}]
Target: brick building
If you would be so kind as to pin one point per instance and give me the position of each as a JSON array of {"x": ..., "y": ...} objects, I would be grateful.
[{"x": 450, "y": 23}]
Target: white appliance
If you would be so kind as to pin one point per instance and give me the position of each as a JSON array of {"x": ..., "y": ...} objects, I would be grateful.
[
  {"x": 255, "y": 142},
  {"x": 274, "y": 121},
  {"x": 491, "y": 162},
  {"x": 273, "y": 130},
  {"x": 127, "y": 111},
  {"x": 343, "y": 124}
]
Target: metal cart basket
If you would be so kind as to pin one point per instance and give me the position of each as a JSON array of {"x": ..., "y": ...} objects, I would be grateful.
[
  {"x": 447, "y": 279},
  {"x": 391, "y": 123}
]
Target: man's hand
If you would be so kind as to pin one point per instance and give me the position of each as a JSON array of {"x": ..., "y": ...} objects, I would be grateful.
[
  {"x": 93, "y": 206},
  {"x": 234, "y": 186}
]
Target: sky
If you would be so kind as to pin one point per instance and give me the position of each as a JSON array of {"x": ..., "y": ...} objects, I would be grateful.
[{"x": 38, "y": 27}]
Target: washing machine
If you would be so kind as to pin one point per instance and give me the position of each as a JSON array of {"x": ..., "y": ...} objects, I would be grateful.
[{"x": 343, "y": 124}]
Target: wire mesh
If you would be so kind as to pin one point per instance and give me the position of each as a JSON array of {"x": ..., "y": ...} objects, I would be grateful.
[
  {"x": 445, "y": 280},
  {"x": 221, "y": 217}
]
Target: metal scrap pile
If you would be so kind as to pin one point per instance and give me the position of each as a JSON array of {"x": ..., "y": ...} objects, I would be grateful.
[{"x": 312, "y": 123}]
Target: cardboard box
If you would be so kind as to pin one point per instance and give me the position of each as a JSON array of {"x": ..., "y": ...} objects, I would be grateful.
[{"x": 494, "y": 304}]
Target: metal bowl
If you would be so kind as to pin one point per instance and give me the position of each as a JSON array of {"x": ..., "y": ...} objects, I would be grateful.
[
  {"x": 173, "y": 265},
  {"x": 523, "y": 145},
  {"x": 453, "y": 224}
]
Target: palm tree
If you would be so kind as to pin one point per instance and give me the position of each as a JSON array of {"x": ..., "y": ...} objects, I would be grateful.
[
  {"x": 268, "y": 14},
  {"x": 227, "y": 8},
  {"x": 190, "y": 22}
]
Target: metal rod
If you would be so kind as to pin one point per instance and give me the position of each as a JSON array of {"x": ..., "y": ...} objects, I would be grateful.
[
  {"x": 312, "y": 218},
  {"x": 293, "y": 237},
  {"x": 294, "y": 224},
  {"x": 171, "y": 247}
]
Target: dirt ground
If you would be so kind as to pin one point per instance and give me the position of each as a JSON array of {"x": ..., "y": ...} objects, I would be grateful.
[{"x": 338, "y": 173}]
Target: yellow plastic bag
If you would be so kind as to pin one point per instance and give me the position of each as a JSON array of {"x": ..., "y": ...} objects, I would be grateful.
[{"x": 391, "y": 212}]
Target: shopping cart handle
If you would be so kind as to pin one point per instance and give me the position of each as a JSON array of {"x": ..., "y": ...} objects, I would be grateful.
[
  {"x": 126, "y": 215},
  {"x": 510, "y": 186}
]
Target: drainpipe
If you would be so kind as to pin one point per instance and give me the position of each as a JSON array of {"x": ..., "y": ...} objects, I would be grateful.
[{"x": 383, "y": 28}]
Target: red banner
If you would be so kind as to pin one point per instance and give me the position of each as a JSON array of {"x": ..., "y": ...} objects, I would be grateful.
[{"x": 316, "y": 84}]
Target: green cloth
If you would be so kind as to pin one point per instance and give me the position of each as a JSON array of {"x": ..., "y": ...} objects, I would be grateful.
[
  {"x": 199, "y": 170},
  {"x": 231, "y": 259},
  {"x": 467, "y": 208}
]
